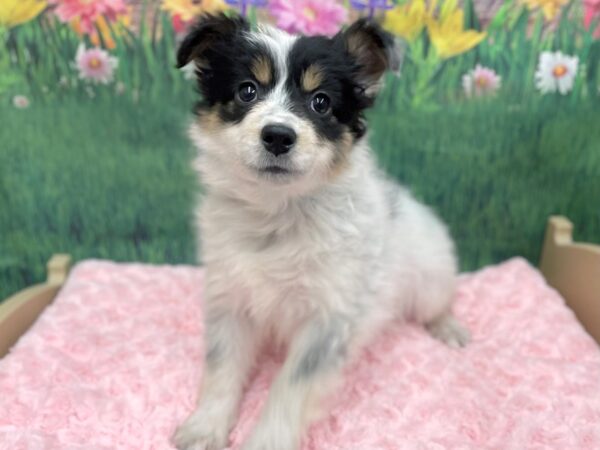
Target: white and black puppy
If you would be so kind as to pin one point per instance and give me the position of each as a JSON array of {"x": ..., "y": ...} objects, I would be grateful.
[{"x": 306, "y": 243}]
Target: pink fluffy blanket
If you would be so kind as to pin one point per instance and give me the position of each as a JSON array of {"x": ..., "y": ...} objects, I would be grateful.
[{"x": 115, "y": 361}]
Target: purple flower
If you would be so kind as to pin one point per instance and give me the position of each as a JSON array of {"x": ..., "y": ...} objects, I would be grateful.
[
  {"x": 243, "y": 4},
  {"x": 372, "y": 5}
]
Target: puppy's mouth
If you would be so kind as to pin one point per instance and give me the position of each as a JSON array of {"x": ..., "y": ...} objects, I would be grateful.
[{"x": 275, "y": 170}]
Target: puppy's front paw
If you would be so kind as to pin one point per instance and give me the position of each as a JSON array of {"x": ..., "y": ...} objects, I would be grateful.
[
  {"x": 258, "y": 444},
  {"x": 271, "y": 438},
  {"x": 449, "y": 330},
  {"x": 200, "y": 432}
]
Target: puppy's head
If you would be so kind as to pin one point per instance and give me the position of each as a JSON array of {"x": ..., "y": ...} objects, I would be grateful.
[{"x": 283, "y": 109}]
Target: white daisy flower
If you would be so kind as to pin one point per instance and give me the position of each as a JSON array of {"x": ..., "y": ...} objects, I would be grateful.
[{"x": 556, "y": 72}]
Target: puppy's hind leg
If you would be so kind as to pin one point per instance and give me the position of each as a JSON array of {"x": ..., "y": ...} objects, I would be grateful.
[
  {"x": 448, "y": 330},
  {"x": 434, "y": 310}
]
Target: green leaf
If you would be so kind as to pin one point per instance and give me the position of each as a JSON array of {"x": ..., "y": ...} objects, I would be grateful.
[{"x": 471, "y": 19}]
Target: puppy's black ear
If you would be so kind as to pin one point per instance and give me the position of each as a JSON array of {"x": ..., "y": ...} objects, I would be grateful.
[
  {"x": 374, "y": 50},
  {"x": 209, "y": 30}
]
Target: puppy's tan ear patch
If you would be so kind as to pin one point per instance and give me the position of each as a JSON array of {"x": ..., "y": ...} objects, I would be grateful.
[
  {"x": 262, "y": 69},
  {"x": 312, "y": 78}
]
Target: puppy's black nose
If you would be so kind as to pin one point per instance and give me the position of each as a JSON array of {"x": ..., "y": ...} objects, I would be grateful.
[{"x": 278, "y": 139}]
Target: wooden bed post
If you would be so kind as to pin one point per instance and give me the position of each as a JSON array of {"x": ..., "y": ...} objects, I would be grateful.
[
  {"x": 573, "y": 269},
  {"x": 21, "y": 310},
  {"x": 58, "y": 269}
]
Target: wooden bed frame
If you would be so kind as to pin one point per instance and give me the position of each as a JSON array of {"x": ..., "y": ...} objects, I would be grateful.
[
  {"x": 573, "y": 269},
  {"x": 19, "y": 312}
]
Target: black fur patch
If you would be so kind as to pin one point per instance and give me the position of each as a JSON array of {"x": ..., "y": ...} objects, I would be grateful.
[
  {"x": 225, "y": 57},
  {"x": 338, "y": 83}
]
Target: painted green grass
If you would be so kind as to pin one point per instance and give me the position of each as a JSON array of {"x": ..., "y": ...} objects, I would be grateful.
[
  {"x": 102, "y": 179},
  {"x": 495, "y": 173},
  {"x": 107, "y": 178},
  {"x": 41, "y": 55},
  {"x": 110, "y": 177}
]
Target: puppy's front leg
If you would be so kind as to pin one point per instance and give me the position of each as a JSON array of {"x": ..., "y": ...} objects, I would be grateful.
[
  {"x": 230, "y": 352},
  {"x": 314, "y": 364}
]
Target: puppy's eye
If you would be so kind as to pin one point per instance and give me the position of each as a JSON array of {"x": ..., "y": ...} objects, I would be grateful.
[
  {"x": 247, "y": 92},
  {"x": 320, "y": 103}
]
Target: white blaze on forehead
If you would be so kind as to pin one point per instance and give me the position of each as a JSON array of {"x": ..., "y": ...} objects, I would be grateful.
[{"x": 279, "y": 44}]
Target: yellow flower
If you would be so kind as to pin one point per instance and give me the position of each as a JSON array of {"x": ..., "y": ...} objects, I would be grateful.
[
  {"x": 407, "y": 20},
  {"x": 448, "y": 34},
  {"x": 15, "y": 12},
  {"x": 188, "y": 9},
  {"x": 549, "y": 7}
]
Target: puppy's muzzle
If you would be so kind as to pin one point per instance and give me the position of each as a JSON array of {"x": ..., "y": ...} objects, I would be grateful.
[{"x": 278, "y": 139}]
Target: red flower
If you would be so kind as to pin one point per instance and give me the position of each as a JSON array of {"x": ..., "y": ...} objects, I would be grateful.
[
  {"x": 88, "y": 11},
  {"x": 592, "y": 11}
]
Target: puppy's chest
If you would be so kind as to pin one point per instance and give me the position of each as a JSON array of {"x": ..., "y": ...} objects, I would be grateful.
[
  {"x": 281, "y": 265},
  {"x": 281, "y": 269}
]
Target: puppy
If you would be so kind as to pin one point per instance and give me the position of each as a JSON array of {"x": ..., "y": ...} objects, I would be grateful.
[{"x": 306, "y": 243}]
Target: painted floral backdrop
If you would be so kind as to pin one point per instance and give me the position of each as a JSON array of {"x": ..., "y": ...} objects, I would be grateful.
[{"x": 494, "y": 119}]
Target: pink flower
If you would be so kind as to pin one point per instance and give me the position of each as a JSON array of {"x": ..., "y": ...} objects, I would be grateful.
[
  {"x": 95, "y": 65},
  {"x": 481, "y": 81},
  {"x": 592, "y": 11},
  {"x": 20, "y": 102},
  {"x": 87, "y": 11},
  {"x": 309, "y": 17},
  {"x": 179, "y": 25}
]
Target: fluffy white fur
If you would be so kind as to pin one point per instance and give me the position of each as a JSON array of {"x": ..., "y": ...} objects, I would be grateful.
[{"x": 318, "y": 261}]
